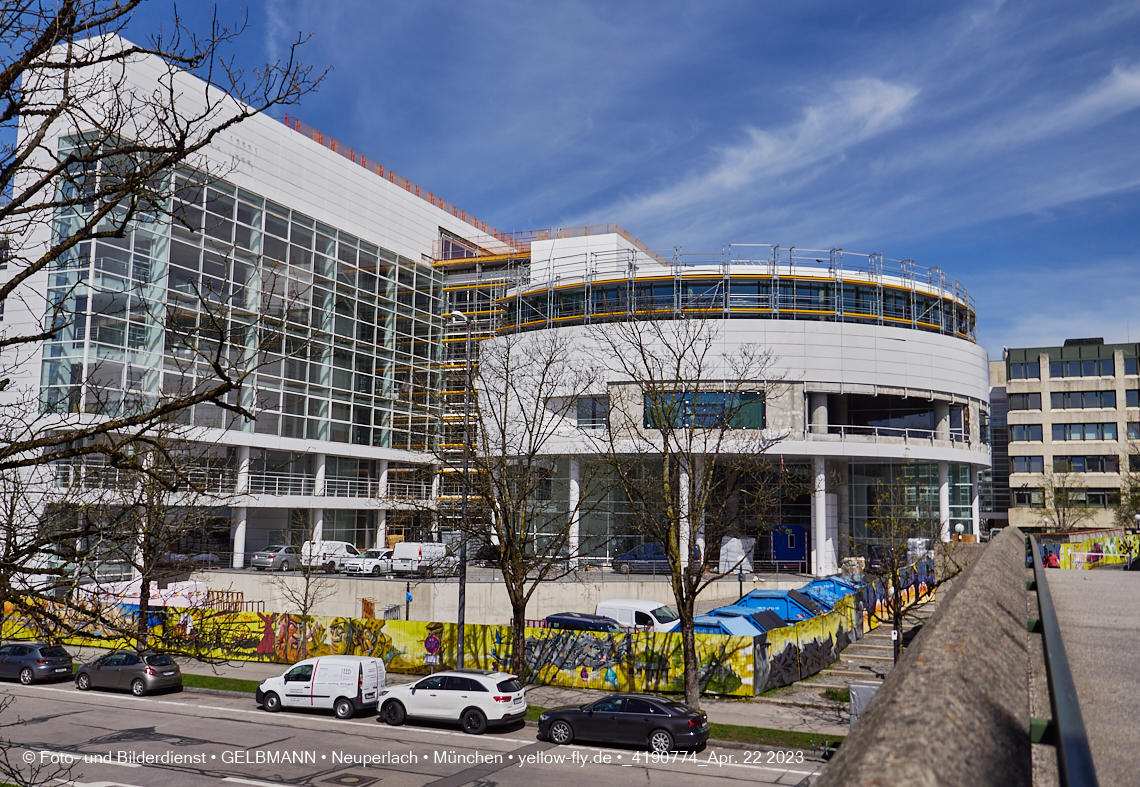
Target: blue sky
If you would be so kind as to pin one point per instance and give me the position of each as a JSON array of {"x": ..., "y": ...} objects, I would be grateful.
[{"x": 1000, "y": 141}]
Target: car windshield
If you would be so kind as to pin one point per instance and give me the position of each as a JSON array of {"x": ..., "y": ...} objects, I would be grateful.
[
  {"x": 509, "y": 686},
  {"x": 665, "y": 614},
  {"x": 371, "y": 553},
  {"x": 159, "y": 660},
  {"x": 54, "y": 651}
]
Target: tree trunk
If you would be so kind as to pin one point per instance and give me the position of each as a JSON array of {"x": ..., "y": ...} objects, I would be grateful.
[
  {"x": 518, "y": 637},
  {"x": 896, "y": 613},
  {"x": 689, "y": 654},
  {"x": 144, "y": 607}
]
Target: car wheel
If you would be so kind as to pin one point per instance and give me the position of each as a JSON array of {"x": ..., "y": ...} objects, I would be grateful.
[
  {"x": 330, "y": 567},
  {"x": 376, "y": 571},
  {"x": 561, "y": 733},
  {"x": 474, "y": 722},
  {"x": 260, "y": 568},
  {"x": 138, "y": 687},
  {"x": 285, "y": 565},
  {"x": 700, "y": 746},
  {"x": 394, "y": 713},
  {"x": 271, "y": 702},
  {"x": 660, "y": 742},
  {"x": 622, "y": 568},
  {"x": 27, "y": 677},
  {"x": 344, "y": 709},
  {"x": 83, "y": 682}
]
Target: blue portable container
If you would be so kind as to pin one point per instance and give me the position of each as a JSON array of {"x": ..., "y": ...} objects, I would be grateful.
[
  {"x": 790, "y": 605},
  {"x": 828, "y": 590}
]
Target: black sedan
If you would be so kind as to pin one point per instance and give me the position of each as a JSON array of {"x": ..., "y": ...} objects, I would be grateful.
[{"x": 637, "y": 719}]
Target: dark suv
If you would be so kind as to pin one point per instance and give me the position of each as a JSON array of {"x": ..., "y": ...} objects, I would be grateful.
[
  {"x": 647, "y": 558},
  {"x": 582, "y": 621},
  {"x": 34, "y": 661}
]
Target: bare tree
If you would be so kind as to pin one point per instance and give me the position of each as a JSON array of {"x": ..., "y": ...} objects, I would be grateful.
[
  {"x": 686, "y": 435},
  {"x": 524, "y": 387},
  {"x": 307, "y": 588},
  {"x": 64, "y": 78},
  {"x": 1065, "y": 497}
]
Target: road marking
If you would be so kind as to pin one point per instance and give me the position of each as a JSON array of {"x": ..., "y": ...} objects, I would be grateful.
[{"x": 251, "y": 781}]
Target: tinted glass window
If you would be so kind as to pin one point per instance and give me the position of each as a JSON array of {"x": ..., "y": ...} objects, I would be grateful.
[
  {"x": 665, "y": 614},
  {"x": 5, "y": 650},
  {"x": 435, "y": 682},
  {"x": 642, "y": 619},
  {"x": 21, "y": 650},
  {"x": 129, "y": 660},
  {"x": 114, "y": 661},
  {"x": 301, "y": 673},
  {"x": 159, "y": 660},
  {"x": 634, "y": 705},
  {"x": 509, "y": 686},
  {"x": 54, "y": 651},
  {"x": 611, "y": 705}
]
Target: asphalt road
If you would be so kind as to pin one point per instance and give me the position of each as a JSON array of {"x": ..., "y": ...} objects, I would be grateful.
[
  {"x": 1097, "y": 610},
  {"x": 227, "y": 741}
]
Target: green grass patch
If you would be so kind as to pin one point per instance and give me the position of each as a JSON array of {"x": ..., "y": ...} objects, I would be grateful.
[
  {"x": 217, "y": 682},
  {"x": 762, "y": 736},
  {"x": 838, "y": 695},
  {"x": 759, "y": 736}
]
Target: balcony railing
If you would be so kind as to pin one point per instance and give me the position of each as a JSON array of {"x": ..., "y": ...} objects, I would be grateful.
[
  {"x": 282, "y": 484},
  {"x": 927, "y": 436}
]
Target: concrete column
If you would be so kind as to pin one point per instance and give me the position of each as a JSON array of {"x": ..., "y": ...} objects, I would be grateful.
[
  {"x": 381, "y": 529},
  {"x": 843, "y": 504},
  {"x": 822, "y": 547},
  {"x": 975, "y": 501},
  {"x": 699, "y": 472},
  {"x": 240, "y": 518},
  {"x": 318, "y": 521},
  {"x": 382, "y": 478},
  {"x": 942, "y": 420},
  {"x": 241, "y": 484},
  {"x": 683, "y": 501},
  {"x": 574, "y": 506},
  {"x": 818, "y": 404},
  {"x": 944, "y": 500},
  {"x": 319, "y": 481}
]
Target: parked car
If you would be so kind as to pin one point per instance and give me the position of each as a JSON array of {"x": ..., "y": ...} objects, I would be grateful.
[
  {"x": 475, "y": 698},
  {"x": 34, "y": 661},
  {"x": 424, "y": 558},
  {"x": 647, "y": 558},
  {"x": 581, "y": 621},
  {"x": 139, "y": 672},
  {"x": 277, "y": 557},
  {"x": 638, "y": 719},
  {"x": 635, "y": 612},
  {"x": 346, "y": 684},
  {"x": 329, "y": 555},
  {"x": 370, "y": 561}
]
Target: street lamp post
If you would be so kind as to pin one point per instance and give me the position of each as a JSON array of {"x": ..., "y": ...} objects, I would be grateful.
[{"x": 462, "y": 616}]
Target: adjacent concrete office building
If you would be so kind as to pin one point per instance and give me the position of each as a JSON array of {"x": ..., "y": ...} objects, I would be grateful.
[
  {"x": 1074, "y": 411},
  {"x": 883, "y": 376}
]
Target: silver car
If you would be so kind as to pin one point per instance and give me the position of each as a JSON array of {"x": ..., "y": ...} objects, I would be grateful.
[
  {"x": 139, "y": 672},
  {"x": 279, "y": 557},
  {"x": 34, "y": 661}
]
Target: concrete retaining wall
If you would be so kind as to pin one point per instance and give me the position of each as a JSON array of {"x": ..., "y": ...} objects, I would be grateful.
[
  {"x": 955, "y": 710},
  {"x": 487, "y": 602}
]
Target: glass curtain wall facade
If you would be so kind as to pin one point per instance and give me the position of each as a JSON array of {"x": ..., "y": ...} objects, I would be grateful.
[{"x": 343, "y": 335}]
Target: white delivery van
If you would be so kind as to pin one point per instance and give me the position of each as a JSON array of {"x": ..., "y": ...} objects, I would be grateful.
[
  {"x": 346, "y": 684},
  {"x": 635, "y": 612},
  {"x": 329, "y": 555},
  {"x": 424, "y": 558}
]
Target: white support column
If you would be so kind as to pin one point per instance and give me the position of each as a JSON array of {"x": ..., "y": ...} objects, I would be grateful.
[
  {"x": 942, "y": 420},
  {"x": 240, "y": 518},
  {"x": 699, "y": 472},
  {"x": 318, "y": 522},
  {"x": 975, "y": 502},
  {"x": 944, "y": 499},
  {"x": 241, "y": 515},
  {"x": 319, "y": 482},
  {"x": 818, "y": 404},
  {"x": 574, "y": 505},
  {"x": 683, "y": 524},
  {"x": 381, "y": 529},
  {"x": 822, "y": 547},
  {"x": 382, "y": 478}
]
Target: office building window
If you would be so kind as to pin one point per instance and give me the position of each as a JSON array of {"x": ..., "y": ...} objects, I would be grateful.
[
  {"x": 1032, "y": 498},
  {"x": 1025, "y": 401},
  {"x": 1094, "y": 368},
  {"x": 1133, "y": 430},
  {"x": 593, "y": 412},
  {"x": 1025, "y": 433},
  {"x": 1132, "y": 398},
  {"x": 1078, "y": 400},
  {"x": 1084, "y": 431},
  {"x": 1028, "y": 464},
  {"x": 1085, "y": 464},
  {"x": 1130, "y": 366},
  {"x": 1022, "y": 371}
]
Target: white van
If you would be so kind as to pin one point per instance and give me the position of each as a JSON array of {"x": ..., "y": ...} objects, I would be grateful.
[
  {"x": 329, "y": 555},
  {"x": 347, "y": 684},
  {"x": 635, "y": 612},
  {"x": 424, "y": 558}
]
